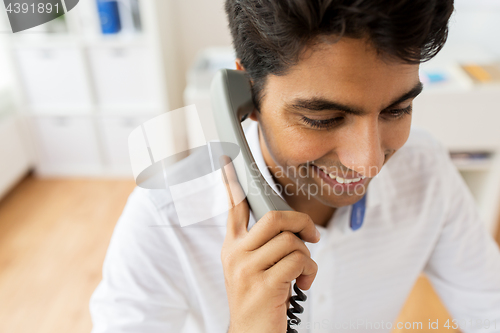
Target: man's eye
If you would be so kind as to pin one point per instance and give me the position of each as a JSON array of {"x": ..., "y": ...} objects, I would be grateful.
[
  {"x": 323, "y": 123},
  {"x": 398, "y": 113}
]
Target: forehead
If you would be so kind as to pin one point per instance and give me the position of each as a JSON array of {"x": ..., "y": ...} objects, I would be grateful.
[{"x": 349, "y": 71}]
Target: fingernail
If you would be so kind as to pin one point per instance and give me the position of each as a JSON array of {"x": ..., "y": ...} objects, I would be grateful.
[
  {"x": 318, "y": 235},
  {"x": 223, "y": 160}
]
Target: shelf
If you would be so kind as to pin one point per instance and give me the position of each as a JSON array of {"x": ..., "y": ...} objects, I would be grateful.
[
  {"x": 74, "y": 40},
  {"x": 454, "y": 78},
  {"x": 82, "y": 91},
  {"x": 473, "y": 161},
  {"x": 45, "y": 40},
  {"x": 465, "y": 166},
  {"x": 59, "y": 111},
  {"x": 119, "y": 40},
  {"x": 127, "y": 110}
]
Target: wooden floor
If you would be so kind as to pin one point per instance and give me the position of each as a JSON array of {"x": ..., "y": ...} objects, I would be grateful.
[{"x": 53, "y": 238}]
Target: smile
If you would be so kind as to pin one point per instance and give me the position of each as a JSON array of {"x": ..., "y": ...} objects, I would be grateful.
[
  {"x": 345, "y": 180},
  {"x": 334, "y": 179}
]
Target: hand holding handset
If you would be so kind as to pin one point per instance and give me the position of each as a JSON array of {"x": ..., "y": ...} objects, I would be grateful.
[{"x": 231, "y": 103}]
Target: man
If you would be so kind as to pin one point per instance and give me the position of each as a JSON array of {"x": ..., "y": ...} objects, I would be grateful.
[{"x": 333, "y": 83}]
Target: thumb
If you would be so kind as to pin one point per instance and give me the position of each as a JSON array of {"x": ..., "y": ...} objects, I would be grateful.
[{"x": 238, "y": 215}]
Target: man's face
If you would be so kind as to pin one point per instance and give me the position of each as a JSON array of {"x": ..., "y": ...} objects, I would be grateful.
[{"x": 341, "y": 112}]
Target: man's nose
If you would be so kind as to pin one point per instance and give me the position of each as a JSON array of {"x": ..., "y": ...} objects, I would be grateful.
[{"x": 361, "y": 149}]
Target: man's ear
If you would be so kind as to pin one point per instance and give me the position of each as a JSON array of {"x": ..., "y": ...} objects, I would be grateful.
[
  {"x": 239, "y": 66},
  {"x": 253, "y": 115}
]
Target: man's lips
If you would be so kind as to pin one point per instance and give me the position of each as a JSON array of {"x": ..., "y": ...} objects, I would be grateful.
[
  {"x": 352, "y": 177},
  {"x": 347, "y": 185}
]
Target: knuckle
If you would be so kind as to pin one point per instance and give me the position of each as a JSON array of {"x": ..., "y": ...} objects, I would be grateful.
[
  {"x": 306, "y": 250},
  {"x": 228, "y": 258},
  {"x": 297, "y": 256},
  {"x": 292, "y": 241},
  {"x": 270, "y": 282},
  {"x": 315, "y": 265},
  {"x": 288, "y": 238},
  {"x": 271, "y": 221},
  {"x": 308, "y": 219},
  {"x": 266, "y": 280},
  {"x": 241, "y": 273},
  {"x": 273, "y": 216}
]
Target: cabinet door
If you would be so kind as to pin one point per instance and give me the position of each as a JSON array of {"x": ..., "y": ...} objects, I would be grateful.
[
  {"x": 14, "y": 159},
  {"x": 67, "y": 146},
  {"x": 125, "y": 77},
  {"x": 54, "y": 77},
  {"x": 114, "y": 133}
]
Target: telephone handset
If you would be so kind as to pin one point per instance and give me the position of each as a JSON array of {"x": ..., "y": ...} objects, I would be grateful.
[{"x": 231, "y": 103}]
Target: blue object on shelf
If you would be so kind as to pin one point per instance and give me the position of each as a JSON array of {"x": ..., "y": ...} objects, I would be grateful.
[
  {"x": 436, "y": 77},
  {"x": 109, "y": 16},
  {"x": 433, "y": 77}
]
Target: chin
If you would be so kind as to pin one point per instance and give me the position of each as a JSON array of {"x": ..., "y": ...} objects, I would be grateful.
[{"x": 340, "y": 200}]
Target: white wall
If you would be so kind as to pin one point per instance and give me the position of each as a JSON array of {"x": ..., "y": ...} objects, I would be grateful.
[
  {"x": 198, "y": 24},
  {"x": 476, "y": 23},
  {"x": 202, "y": 23}
]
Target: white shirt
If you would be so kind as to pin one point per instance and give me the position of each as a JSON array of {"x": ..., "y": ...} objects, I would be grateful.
[{"x": 420, "y": 217}]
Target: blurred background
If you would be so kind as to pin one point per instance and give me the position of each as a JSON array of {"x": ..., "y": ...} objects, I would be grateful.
[{"x": 72, "y": 90}]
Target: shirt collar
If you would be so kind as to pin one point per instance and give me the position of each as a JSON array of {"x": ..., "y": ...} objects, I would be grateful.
[{"x": 254, "y": 144}]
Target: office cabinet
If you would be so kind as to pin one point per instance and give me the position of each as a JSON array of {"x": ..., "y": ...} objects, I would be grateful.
[
  {"x": 114, "y": 132},
  {"x": 67, "y": 145},
  {"x": 84, "y": 91},
  {"x": 53, "y": 77},
  {"x": 124, "y": 76},
  {"x": 15, "y": 158}
]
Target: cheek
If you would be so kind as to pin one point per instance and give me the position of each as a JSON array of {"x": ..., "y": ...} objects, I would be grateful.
[
  {"x": 394, "y": 136},
  {"x": 294, "y": 145},
  {"x": 307, "y": 147},
  {"x": 290, "y": 144}
]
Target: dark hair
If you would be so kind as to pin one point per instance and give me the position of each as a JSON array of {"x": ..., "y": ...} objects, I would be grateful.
[{"x": 269, "y": 35}]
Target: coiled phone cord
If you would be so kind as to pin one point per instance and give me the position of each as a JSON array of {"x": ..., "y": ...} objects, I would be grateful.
[{"x": 296, "y": 308}]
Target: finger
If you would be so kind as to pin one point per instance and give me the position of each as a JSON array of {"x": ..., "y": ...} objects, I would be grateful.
[
  {"x": 276, "y": 249},
  {"x": 238, "y": 214},
  {"x": 295, "y": 265},
  {"x": 275, "y": 222}
]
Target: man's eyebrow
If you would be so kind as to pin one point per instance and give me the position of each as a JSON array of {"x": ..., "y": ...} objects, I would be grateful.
[
  {"x": 414, "y": 92},
  {"x": 321, "y": 104}
]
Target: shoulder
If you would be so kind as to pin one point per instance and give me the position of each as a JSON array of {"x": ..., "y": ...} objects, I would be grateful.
[{"x": 183, "y": 193}]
